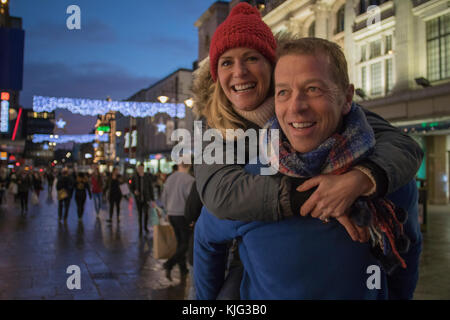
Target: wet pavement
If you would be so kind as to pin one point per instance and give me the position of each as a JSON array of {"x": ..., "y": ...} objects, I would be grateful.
[
  {"x": 117, "y": 263},
  {"x": 114, "y": 260}
]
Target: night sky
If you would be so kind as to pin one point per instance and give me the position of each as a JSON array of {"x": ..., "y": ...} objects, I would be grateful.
[{"x": 122, "y": 47}]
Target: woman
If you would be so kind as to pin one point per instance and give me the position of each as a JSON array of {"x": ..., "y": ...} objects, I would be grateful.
[
  {"x": 237, "y": 93},
  {"x": 115, "y": 195},
  {"x": 81, "y": 187},
  {"x": 97, "y": 183}
]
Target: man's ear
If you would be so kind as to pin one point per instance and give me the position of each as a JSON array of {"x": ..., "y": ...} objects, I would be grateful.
[{"x": 348, "y": 99}]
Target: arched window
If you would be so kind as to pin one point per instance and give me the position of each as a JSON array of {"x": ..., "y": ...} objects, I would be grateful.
[
  {"x": 340, "y": 18},
  {"x": 312, "y": 30}
]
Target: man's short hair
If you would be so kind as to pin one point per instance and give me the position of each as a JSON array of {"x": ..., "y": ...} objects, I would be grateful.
[{"x": 317, "y": 46}]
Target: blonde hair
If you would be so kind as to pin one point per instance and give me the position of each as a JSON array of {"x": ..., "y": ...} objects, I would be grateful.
[{"x": 220, "y": 114}]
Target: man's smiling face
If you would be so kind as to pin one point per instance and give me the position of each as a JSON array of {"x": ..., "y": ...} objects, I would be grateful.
[{"x": 309, "y": 105}]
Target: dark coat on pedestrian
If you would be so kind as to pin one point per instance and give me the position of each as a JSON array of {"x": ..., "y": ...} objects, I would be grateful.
[
  {"x": 113, "y": 187},
  {"x": 81, "y": 188},
  {"x": 23, "y": 183},
  {"x": 191, "y": 213},
  {"x": 65, "y": 182},
  {"x": 145, "y": 184}
]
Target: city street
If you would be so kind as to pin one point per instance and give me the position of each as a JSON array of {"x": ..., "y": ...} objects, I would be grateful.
[{"x": 115, "y": 262}]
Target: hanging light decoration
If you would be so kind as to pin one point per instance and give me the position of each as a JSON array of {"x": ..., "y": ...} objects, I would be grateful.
[
  {"x": 89, "y": 107},
  {"x": 80, "y": 138}
]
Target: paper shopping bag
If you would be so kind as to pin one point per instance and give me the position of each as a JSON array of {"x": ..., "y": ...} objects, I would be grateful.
[{"x": 164, "y": 242}]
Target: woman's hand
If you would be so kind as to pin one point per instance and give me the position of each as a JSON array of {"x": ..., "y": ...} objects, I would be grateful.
[{"x": 335, "y": 193}]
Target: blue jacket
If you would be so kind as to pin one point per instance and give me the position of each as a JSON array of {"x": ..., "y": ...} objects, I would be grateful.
[{"x": 301, "y": 258}]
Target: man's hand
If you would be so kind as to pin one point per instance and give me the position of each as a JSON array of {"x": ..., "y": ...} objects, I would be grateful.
[
  {"x": 335, "y": 193},
  {"x": 356, "y": 233}
]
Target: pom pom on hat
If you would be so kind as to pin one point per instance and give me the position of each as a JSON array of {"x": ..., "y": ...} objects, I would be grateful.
[{"x": 242, "y": 28}]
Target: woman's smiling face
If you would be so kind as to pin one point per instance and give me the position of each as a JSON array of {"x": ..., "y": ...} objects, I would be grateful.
[{"x": 244, "y": 75}]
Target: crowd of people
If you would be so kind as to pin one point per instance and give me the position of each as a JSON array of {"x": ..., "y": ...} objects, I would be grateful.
[{"x": 66, "y": 184}]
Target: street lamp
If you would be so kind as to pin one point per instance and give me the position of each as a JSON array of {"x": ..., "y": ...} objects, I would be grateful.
[
  {"x": 163, "y": 99},
  {"x": 189, "y": 102},
  {"x": 118, "y": 133}
]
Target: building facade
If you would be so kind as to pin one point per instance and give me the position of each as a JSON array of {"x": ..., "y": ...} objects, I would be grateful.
[{"x": 148, "y": 140}]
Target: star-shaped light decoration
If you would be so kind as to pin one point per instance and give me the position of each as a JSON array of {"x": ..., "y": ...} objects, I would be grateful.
[
  {"x": 61, "y": 123},
  {"x": 161, "y": 127}
]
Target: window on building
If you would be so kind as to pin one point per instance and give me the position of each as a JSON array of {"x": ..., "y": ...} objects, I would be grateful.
[
  {"x": 438, "y": 48},
  {"x": 389, "y": 76},
  {"x": 388, "y": 44},
  {"x": 363, "y": 53},
  {"x": 375, "y": 49},
  {"x": 340, "y": 18},
  {"x": 364, "y": 4},
  {"x": 364, "y": 79},
  {"x": 375, "y": 79},
  {"x": 312, "y": 30}
]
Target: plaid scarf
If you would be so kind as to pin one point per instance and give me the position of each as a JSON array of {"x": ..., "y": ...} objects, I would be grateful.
[{"x": 337, "y": 155}]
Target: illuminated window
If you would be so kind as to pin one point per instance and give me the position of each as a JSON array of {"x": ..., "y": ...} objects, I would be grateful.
[
  {"x": 340, "y": 17},
  {"x": 438, "y": 48},
  {"x": 389, "y": 76},
  {"x": 375, "y": 49},
  {"x": 375, "y": 79}
]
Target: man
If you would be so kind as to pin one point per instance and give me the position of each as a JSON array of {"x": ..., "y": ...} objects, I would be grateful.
[
  {"x": 64, "y": 187},
  {"x": 323, "y": 132},
  {"x": 141, "y": 187},
  {"x": 175, "y": 192},
  {"x": 50, "y": 180}
]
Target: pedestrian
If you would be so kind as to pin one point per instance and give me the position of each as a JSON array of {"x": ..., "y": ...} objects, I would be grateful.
[
  {"x": 3, "y": 183},
  {"x": 50, "y": 180},
  {"x": 37, "y": 183},
  {"x": 142, "y": 189},
  {"x": 114, "y": 193},
  {"x": 97, "y": 189},
  {"x": 226, "y": 190},
  {"x": 311, "y": 87},
  {"x": 175, "y": 192},
  {"x": 24, "y": 185},
  {"x": 192, "y": 211},
  {"x": 64, "y": 188},
  {"x": 81, "y": 188}
]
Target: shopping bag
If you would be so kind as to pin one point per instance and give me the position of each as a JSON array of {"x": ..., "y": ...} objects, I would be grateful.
[
  {"x": 62, "y": 194},
  {"x": 124, "y": 189},
  {"x": 13, "y": 188},
  {"x": 164, "y": 241},
  {"x": 34, "y": 199}
]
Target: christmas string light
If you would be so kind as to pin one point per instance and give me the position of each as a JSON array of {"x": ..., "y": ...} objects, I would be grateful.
[
  {"x": 80, "y": 138},
  {"x": 89, "y": 107}
]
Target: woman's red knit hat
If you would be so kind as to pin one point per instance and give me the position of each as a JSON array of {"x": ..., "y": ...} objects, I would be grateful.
[{"x": 242, "y": 28}]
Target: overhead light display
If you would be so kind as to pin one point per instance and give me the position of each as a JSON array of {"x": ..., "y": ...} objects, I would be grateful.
[
  {"x": 80, "y": 138},
  {"x": 89, "y": 107}
]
